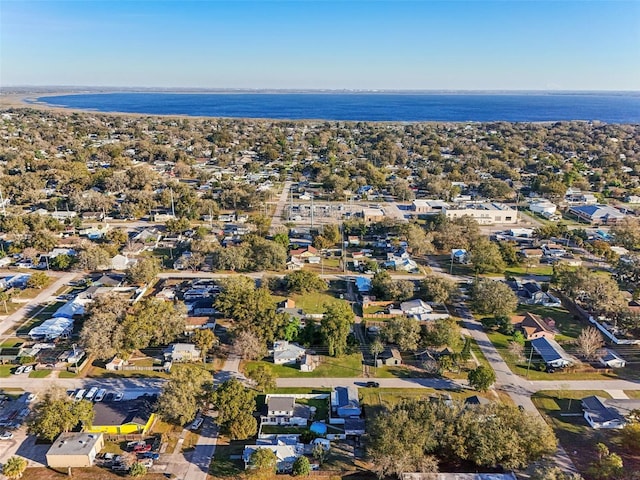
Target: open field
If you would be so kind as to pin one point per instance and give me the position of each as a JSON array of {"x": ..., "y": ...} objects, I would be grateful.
[
  {"x": 563, "y": 412},
  {"x": 344, "y": 366},
  {"x": 311, "y": 302}
]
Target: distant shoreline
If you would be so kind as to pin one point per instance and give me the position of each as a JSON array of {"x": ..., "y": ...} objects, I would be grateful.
[{"x": 393, "y": 106}]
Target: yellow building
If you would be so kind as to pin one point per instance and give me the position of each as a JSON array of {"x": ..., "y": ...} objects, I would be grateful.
[{"x": 124, "y": 417}]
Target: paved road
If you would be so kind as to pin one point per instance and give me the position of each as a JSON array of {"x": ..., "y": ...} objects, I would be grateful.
[
  {"x": 43, "y": 297},
  {"x": 276, "y": 220},
  {"x": 258, "y": 275}
]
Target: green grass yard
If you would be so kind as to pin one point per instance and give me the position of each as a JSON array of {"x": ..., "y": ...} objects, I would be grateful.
[
  {"x": 39, "y": 373},
  {"x": 335, "y": 367},
  {"x": 5, "y": 370}
]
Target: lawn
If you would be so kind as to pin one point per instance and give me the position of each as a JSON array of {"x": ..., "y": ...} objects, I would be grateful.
[
  {"x": 222, "y": 465},
  {"x": 335, "y": 367},
  {"x": 563, "y": 412},
  {"x": 67, "y": 374},
  {"x": 633, "y": 393},
  {"x": 11, "y": 342},
  {"x": 321, "y": 406},
  {"x": 518, "y": 271},
  {"x": 314, "y": 302},
  {"x": 39, "y": 373},
  {"x": 5, "y": 370},
  {"x": 97, "y": 372}
]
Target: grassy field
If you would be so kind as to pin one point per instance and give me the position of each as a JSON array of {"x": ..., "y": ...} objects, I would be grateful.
[
  {"x": 563, "y": 412},
  {"x": 93, "y": 473},
  {"x": 39, "y": 373},
  {"x": 312, "y": 302},
  {"x": 67, "y": 374},
  {"x": 344, "y": 366},
  {"x": 521, "y": 270},
  {"x": 633, "y": 393},
  {"x": 5, "y": 370}
]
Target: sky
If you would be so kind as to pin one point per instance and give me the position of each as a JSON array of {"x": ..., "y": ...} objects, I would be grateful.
[{"x": 305, "y": 44}]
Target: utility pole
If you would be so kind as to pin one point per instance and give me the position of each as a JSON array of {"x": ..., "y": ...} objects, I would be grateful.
[
  {"x": 529, "y": 363},
  {"x": 312, "y": 210},
  {"x": 173, "y": 209}
]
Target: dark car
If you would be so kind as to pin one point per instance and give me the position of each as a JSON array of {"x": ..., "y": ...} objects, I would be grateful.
[
  {"x": 151, "y": 455},
  {"x": 373, "y": 384}
]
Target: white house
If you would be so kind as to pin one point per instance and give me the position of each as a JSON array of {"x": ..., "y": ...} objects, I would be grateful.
[
  {"x": 282, "y": 410},
  {"x": 415, "y": 308},
  {"x": 612, "y": 360},
  {"x": 606, "y": 413},
  {"x": 286, "y": 353},
  {"x": 182, "y": 352},
  {"x": 543, "y": 207}
]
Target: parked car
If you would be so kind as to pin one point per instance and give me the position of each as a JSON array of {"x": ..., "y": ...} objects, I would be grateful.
[
  {"x": 118, "y": 396},
  {"x": 91, "y": 393},
  {"x": 147, "y": 462},
  {"x": 196, "y": 424},
  {"x": 373, "y": 384},
  {"x": 28, "y": 369},
  {"x": 100, "y": 395},
  {"x": 151, "y": 455},
  {"x": 79, "y": 394},
  {"x": 32, "y": 397},
  {"x": 140, "y": 448},
  {"x": 6, "y": 436},
  {"x": 19, "y": 370}
]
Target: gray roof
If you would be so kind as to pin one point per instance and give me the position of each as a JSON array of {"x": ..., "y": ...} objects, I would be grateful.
[
  {"x": 135, "y": 411},
  {"x": 549, "y": 350},
  {"x": 281, "y": 403},
  {"x": 72, "y": 443}
]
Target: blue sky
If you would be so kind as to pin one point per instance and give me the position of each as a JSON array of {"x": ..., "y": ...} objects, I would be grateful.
[{"x": 473, "y": 45}]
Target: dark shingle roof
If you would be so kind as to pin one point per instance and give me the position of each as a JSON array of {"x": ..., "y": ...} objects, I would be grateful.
[{"x": 135, "y": 411}]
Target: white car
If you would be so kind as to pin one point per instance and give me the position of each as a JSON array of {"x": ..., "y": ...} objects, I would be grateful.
[
  {"x": 100, "y": 395},
  {"x": 79, "y": 394},
  {"x": 32, "y": 397},
  {"x": 28, "y": 369},
  {"x": 197, "y": 423},
  {"x": 19, "y": 370},
  {"x": 91, "y": 393},
  {"x": 6, "y": 436},
  {"x": 118, "y": 396}
]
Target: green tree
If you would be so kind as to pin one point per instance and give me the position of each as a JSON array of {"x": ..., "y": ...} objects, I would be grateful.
[
  {"x": 402, "y": 331},
  {"x": 301, "y": 467},
  {"x": 137, "y": 470},
  {"x": 482, "y": 378},
  {"x": 57, "y": 413},
  {"x": 376, "y": 348},
  {"x": 509, "y": 253},
  {"x": 335, "y": 326},
  {"x": 263, "y": 461},
  {"x": 234, "y": 404},
  {"x": 493, "y": 298},
  {"x": 486, "y": 256},
  {"x": 14, "y": 467},
  {"x": 204, "y": 339},
  {"x": 465, "y": 353},
  {"x": 5, "y": 297},
  {"x": 144, "y": 271},
  {"x": 443, "y": 332},
  {"x": 263, "y": 377},
  {"x": 438, "y": 289},
  {"x": 304, "y": 281},
  {"x": 608, "y": 465},
  {"x": 319, "y": 452},
  {"x": 61, "y": 262},
  {"x": 183, "y": 393},
  {"x": 37, "y": 280}
]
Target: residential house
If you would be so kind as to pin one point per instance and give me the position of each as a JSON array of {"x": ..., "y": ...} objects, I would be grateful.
[
  {"x": 116, "y": 363},
  {"x": 543, "y": 207},
  {"x": 286, "y": 451},
  {"x": 576, "y": 197},
  {"x": 125, "y": 417},
  {"x": 611, "y": 359},
  {"x": 283, "y": 410},
  {"x": 303, "y": 254},
  {"x": 198, "y": 323},
  {"x": 459, "y": 255},
  {"x": 551, "y": 352},
  {"x": 286, "y": 353},
  {"x": 389, "y": 357},
  {"x": 608, "y": 413},
  {"x": 74, "y": 449},
  {"x": 533, "y": 326},
  {"x": 532, "y": 294},
  {"x": 417, "y": 309},
  {"x": 182, "y": 352},
  {"x": 597, "y": 214},
  {"x": 345, "y": 402}
]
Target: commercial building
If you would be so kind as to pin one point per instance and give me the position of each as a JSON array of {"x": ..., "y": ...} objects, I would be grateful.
[{"x": 73, "y": 449}]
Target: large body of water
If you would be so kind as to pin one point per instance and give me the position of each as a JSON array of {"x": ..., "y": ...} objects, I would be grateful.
[{"x": 397, "y": 107}]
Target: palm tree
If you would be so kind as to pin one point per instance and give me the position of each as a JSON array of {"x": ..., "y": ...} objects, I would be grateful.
[
  {"x": 14, "y": 468},
  {"x": 376, "y": 348}
]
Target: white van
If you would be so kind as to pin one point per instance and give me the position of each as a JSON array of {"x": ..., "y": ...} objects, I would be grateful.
[
  {"x": 91, "y": 393},
  {"x": 79, "y": 394}
]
